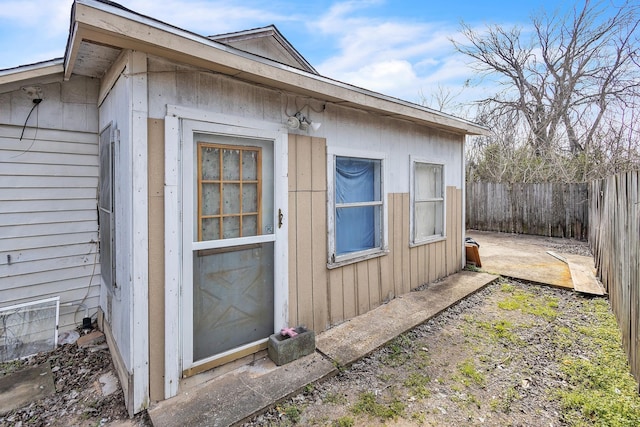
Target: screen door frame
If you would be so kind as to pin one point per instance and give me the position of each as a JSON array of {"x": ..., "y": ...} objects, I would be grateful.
[{"x": 190, "y": 130}]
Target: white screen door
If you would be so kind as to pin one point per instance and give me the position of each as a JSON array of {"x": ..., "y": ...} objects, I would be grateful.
[{"x": 230, "y": 267}]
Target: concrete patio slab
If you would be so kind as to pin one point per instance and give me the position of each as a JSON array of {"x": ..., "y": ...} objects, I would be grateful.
[
  {"x": 20, "y": 388},
  {"x": 240, "y": 394},
  {"x": 352, "y": 340},
  {"x": 507, "y": 255},
  {"x": 535, "y": 259}
]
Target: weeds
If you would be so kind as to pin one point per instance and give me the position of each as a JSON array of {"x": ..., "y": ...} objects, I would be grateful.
[
  {"x": 491, "y": 349},
  {"x": 418, "y": 385},
  {"x": 345, "y": 421},
  {"x": 500, "y": 330},
  {"x": 468, "y": 370},
  {"x": 601, "y": 390},
  {"x": 368, "y": 405},
  {"x": 335, "y": 399},
  {"x": 399, "y": 351},
  {"x": 293, "y": 413},
  {"x": 503, "y": 402},
  {"x": 529, "y": 303}
]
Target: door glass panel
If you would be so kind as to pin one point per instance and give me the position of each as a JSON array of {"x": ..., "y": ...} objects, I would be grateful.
[
  {"x": 210, "y": 163},
  {"x": 249, "y": 225},
  {"x": 210, "y": 229},
  {"x": 231, "y": 164},
  {"x": 249, "y": 165},
  {"x": 231, "y": 227},
  {"x": 232, "y": 298},
  {"x": 210, "y": 199},
  {"x": 250, "y": 198},
  {"x": 231, "y": 204},
  {"x": 229, "y": 187}
]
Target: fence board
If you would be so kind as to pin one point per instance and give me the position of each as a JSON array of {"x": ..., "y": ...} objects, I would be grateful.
[
  {"x": 548, "y": 209},
  {"x": 614, "y": 211}
]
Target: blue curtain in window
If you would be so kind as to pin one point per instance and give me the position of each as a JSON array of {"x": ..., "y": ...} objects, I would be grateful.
[{"x": 355, "y": 226}]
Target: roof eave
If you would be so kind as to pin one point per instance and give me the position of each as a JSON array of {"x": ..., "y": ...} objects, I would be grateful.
[
  {"x": 101, "y": 23},
  {"x": 31, "y": 71}
]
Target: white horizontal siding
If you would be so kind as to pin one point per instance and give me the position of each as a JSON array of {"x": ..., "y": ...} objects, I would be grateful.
[
  {"x": 9, "y": 133},
  {"x": 51, "y": 253},
  {"x": 52, "y": 170},
  {"x": 47, "y": 192},
  {"x": 43, "y": 181},
  {"x": 72, "y": 290},
  {"x": 36, "y": 158},
  {"x": 45, "y": 241},
  {"x": 35, "y": 230},
  {"x": 50, "y": 265},
  {"x": 47, "y": 205},
  {"x": 48, "y": 218},
  {"x": 52, "y": 276},
  {"x": 17, "y": 150}
]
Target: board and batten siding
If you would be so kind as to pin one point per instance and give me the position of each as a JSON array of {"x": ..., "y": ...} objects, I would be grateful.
[
  {"x": 48, "y": 190},
  {"x": 320, "y": 297}
]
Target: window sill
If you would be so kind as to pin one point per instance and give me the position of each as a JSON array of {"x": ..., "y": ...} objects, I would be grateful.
[
  {"x": 428, "y": 241},
  {"x": 357, "y": 258}
]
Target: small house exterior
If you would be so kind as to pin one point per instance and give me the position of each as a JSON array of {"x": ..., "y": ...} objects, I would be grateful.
[{"x": 196, "y": 194}]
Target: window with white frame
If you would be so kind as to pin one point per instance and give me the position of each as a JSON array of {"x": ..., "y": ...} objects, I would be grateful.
[
  {"x": 356, "y": 207},
  {"x": 427, "y": 201}
]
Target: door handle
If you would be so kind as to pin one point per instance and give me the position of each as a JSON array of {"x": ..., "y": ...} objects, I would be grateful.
[{"x": 280, "y": 218}]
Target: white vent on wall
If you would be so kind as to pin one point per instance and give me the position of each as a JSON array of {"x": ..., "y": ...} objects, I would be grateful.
[{"x": 29, "y": 328}]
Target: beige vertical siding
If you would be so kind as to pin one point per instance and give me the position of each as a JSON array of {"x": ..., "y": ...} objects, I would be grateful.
[
  {"x": 319, "y": 297},
  {"x": 156, "y": 258},
  {"x": 308, "y": 294}
]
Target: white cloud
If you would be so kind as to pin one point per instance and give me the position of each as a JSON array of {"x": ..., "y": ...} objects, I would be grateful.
[
  {"x": 210, "y": 17},
  {"x": 400, "y": 57},
  {"x": 395, "y": 57},
  {"x": 384, "y": 77}
]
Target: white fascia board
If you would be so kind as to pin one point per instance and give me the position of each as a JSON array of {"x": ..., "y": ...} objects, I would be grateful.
[{"x": 31, "y": 71}]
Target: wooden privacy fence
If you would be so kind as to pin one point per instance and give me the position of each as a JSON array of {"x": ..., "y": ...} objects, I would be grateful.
[
  {"x": 614, "y": 238},
  {"x": 549, "y": 209}
]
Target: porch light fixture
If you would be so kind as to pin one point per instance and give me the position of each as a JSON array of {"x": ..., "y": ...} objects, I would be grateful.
[{"x": 299, "y": 121}]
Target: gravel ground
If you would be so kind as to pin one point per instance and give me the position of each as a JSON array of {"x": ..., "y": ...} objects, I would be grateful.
[
  {"x": 494, "y": 359},
  {"x": 474, "y": 364},
  {"x": 77, "y": 401},
  {"x": 80, "y": 399}
]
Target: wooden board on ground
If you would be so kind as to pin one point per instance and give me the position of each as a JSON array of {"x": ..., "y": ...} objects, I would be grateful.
[{"x": 583, "y": 277}]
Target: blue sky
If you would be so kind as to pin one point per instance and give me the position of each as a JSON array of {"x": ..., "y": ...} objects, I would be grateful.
[{"x": 399, "y": 48}]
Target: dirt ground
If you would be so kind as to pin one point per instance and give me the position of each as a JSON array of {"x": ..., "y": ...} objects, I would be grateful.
[
  {"x": 474, "y": 364},
  {"x": 477, "y": 363},
  {"x": 495, "y": 359}
]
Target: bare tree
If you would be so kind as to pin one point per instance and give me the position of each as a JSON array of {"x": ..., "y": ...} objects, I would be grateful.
[
  {"x": 569, "y": 79},
  {"x": 445, "y": 99}
]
